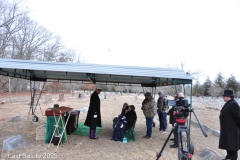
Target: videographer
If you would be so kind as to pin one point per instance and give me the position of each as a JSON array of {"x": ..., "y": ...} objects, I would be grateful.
[
  {"x": 180, "y": 110},
  {"x": 172, "y": 118}
]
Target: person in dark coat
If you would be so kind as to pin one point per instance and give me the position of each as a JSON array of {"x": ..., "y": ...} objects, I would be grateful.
[
  {"x": 93, "y": 118},
  {"x": 131, "y": 116},
  {"x": 230, "y": 126},
  {"x": 172, "y": 118},
  {"x": 179, "y": 102}
]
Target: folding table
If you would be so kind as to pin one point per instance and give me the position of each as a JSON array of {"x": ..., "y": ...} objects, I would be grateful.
[{"x": 59, "y": 119}]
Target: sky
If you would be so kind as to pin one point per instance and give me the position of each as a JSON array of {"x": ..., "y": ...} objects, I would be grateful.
[{"x": 203, "y": 34}]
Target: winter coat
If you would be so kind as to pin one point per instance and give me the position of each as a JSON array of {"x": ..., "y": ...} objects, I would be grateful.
[
  {"x": 230, "y": 126},
  {"x": 162, "y": 106},
  {"x": 115, "y": 120},
  {"x": 123, "y": 112},
  {"x": 94, "y": 108},
  {"x": 131, "y": 117},
  {"x": 172, "y": 118},
  {"x": 149, "y": 108},
  {"x": 119, "y": 129}
]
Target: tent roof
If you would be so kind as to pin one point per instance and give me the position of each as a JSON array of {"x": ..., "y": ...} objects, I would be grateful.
[{"x": 44, "y": 70}]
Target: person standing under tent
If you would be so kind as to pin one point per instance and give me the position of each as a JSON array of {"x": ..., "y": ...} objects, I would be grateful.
[
  {"x": 179, "y": 98},
  {"x": 149, "y": 110},
  {"x": 93, "y": 118},
  {"x": 162, "y": 109},
  {"x": 172, "y": 119}
]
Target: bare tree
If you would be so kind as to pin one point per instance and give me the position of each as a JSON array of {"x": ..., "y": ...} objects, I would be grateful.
[
  {"x": 215, "y": 90},
  {"x": 19, "y": 84},
  {"x": 88, "y": 86},
  {"x": 51, "y": 49},
  {"x": 22, "y": 38},
  {"x": 3, "y": 83},
  {"x": 66, "y": 56},
  {"x": 28, "y": 43},
  {"x": 194, "y": 73},
  {"x": 10, "y": 13},
  {"x": 79, "y": 58},
  {"x": 170, "y": 90}
]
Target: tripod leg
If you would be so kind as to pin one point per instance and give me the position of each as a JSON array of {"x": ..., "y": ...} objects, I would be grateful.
[
  {"x": 160, "y": 153},
  {"x": 180, "y": 145}
]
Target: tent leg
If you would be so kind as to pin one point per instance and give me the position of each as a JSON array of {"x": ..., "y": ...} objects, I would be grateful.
[
  {"x": 32, "y": 90},
  {"x": 38, "y": 100}
]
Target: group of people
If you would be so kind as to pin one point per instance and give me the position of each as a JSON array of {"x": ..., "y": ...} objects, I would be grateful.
[
  {"x": 151, "y": 108},
  {"x": 229, "y": 139},
  {"x": 128, "y": 115},
  {"x": 127, "y": 118}
]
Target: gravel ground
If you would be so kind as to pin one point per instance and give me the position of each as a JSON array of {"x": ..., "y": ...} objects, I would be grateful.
[{"x": 81, "y": 147}]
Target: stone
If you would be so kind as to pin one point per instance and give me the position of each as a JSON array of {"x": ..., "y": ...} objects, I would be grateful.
[
  {"x": 210, "y": 154},
  {"x": 216, "y": 133}
]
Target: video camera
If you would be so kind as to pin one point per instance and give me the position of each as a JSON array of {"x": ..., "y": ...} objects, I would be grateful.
[
  {"x": 180, "y": 107},
  {"x": 181, "y": 111}
]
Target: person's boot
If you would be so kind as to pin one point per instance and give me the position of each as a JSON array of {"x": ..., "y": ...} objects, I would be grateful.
[
  {"x": 174, "y": 145},
  {"x": 153, "y": 124},
  {"x": 95, "y": 138}
]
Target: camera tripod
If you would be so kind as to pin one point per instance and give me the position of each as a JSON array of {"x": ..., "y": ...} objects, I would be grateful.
[{"x": 185, "y": 149}]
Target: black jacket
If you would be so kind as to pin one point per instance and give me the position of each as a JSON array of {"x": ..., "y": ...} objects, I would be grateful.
[
  {"x": 123, "y": 112},
  {"x": 172, "y": 118},
  {"x": 230, "y": 126},
  {"x": 94, "y": 108},
  {"x": 131, "y": 117}
]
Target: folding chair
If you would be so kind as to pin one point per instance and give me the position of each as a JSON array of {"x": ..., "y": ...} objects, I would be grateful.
[{"x": 130, "y": 134}]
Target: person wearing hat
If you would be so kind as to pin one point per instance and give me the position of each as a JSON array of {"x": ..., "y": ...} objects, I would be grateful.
[
  {"x": 93, "y": 118},
  {"x": 149, "y": 110},
  {"x": 229, "y": 138},
  {"x": 178, "y": 99},
  {"x": 162, "y": 109}
]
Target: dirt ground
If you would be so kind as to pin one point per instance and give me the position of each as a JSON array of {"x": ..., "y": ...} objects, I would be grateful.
[{"x": 81, "y": 147}]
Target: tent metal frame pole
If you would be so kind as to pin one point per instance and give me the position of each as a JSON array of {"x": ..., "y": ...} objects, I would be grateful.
[
  {"x": 190, "y": 115},
  {"x": 32, "y": 98},
  {"x": 38, "y": 100},
  {"x": 154, "y": 92},
  {"x": 33, "y": 93}
]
